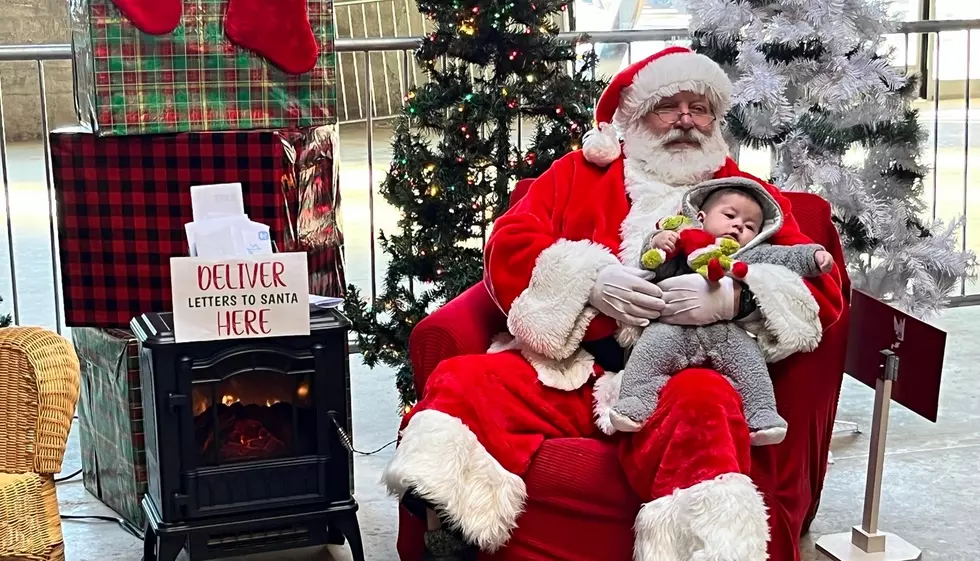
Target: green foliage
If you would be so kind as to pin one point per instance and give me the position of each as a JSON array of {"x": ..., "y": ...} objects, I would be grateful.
[
  {"x": 776, "y": 51},
  {"x": 6, "y": 320},
  {"x": 719, "y": 49},
  {"x": 455, "y": 158}
]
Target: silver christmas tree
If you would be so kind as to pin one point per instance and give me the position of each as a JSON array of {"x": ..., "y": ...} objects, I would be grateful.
[{"x": 813, "y": 83}]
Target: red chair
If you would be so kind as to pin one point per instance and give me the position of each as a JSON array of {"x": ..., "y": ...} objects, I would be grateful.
[{"x": 568, "y": 516}]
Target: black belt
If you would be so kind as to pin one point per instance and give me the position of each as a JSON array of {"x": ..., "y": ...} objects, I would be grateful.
[{"x": 607, "y": 352}]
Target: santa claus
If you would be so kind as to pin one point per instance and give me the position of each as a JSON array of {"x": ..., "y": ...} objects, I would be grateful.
[{"x": 562, "y": 265}]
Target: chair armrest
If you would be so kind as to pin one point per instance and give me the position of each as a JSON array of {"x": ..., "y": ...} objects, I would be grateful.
[
  {"x": 39, "y": 387},
  {"x": 813, "y": 214},
  {"x": 464, "y": 325}
]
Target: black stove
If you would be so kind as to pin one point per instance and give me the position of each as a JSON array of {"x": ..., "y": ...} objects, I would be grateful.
[{"x": 243, "y": 448}]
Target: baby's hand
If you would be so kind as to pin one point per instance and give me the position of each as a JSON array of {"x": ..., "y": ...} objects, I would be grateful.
[
  {"x": 824, "y": 260},
  {"x": 665, "y": 240}
]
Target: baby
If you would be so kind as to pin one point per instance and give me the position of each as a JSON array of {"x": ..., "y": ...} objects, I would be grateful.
[{"x": 736, "y": 216}]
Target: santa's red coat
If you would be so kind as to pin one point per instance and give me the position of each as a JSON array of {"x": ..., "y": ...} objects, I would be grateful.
[{"x": 482, "y": 417}]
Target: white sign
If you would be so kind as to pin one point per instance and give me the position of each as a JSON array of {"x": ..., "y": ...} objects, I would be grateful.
[{"x": 259, "y": 296}]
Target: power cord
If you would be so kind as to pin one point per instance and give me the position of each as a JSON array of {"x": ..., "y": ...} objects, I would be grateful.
[
  {"x": 67, "y": 477},
  {"x": 74, "y": 474},
  {"x": 124, "y": 524},
  {"x": 345, "y": 438}
]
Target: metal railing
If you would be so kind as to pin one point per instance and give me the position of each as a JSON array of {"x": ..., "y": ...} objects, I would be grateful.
[
  {"x": 368, "y": 19},
  {"x": 923, "y": 41}
]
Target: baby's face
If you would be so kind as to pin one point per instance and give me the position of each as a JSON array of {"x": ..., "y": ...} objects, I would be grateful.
[{"x": 733, "y": 215}]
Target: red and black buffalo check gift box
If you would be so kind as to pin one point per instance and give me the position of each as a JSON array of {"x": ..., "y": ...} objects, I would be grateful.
[{"x": 123, "y": 202}]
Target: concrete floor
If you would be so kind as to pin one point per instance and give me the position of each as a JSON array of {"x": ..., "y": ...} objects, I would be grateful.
[{"x": 929, "y": 497}]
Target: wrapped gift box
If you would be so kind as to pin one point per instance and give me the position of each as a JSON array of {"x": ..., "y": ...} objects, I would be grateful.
[
  {"x": 193, "y": 78},
  {"x": 311, "y": 173},
  {"x": 110, "y": 420},
  {"x": 122, "y": 203}
]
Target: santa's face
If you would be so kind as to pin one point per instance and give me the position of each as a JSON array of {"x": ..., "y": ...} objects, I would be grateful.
[
  {"x": 684, "y": 111},
  {"x": 678, "y": 141}
]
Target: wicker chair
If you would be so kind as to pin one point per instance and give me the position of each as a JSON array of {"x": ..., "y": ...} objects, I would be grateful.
[{"x": 39, "y": 384}]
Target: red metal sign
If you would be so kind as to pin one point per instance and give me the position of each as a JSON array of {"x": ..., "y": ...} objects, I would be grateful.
[{"x": 920, "y": 347}]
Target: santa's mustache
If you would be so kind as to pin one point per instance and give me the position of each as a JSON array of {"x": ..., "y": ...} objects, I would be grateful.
[{"x": 681, "y": 135}]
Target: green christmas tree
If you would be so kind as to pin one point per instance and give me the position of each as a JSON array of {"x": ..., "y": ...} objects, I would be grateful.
[
  {"x": 455, "y": 159},
  {"x": 5, "y": 319}
]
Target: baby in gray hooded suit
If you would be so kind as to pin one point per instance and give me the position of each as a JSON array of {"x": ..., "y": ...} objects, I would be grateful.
[{"x": 736, "y": 216}]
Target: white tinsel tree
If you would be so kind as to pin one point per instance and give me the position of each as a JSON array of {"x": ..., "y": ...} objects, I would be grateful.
[{"x": 811, "y": 84}]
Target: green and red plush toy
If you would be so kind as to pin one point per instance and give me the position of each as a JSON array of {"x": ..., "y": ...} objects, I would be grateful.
[{"x": 706, "y": 254}]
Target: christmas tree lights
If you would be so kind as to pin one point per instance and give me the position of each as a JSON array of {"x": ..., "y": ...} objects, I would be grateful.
[{"x": 455, "y": 160}]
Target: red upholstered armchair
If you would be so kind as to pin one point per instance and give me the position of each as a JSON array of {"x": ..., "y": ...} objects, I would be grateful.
[{"x": 579, "y": 505}]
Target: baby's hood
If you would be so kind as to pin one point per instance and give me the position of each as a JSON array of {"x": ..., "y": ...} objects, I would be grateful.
[{"x": 772, "y": 215}]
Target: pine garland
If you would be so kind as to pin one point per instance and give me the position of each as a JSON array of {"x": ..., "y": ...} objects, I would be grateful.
[{"x": 6, "y": 320}]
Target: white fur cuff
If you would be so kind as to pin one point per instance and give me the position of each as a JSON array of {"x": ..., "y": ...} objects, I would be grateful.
[
  {"x": 551, "y": 315},
  {"x": 568, "y": 375},
  {"x": 790, "y": 321},
  {"x": 443, "y": 461},
  {"x": 605, "y": 393},
  {"x": 719, "y": 519}
]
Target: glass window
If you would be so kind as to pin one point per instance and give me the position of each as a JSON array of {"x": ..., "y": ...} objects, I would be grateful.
[
  {"x": 953, "y": 44},
  {"x": 254, "y": 407},
  {"x": 906, "y": 49}
]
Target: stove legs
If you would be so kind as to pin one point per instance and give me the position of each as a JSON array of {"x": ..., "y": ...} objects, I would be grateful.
[
  {"x": 346, "y": 522},
  {"x": 160, "y": 548}
]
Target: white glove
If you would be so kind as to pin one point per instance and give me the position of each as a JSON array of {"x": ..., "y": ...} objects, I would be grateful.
[
  {"x": 691, "y": 300},
  {"x": 627, "y": 295}
]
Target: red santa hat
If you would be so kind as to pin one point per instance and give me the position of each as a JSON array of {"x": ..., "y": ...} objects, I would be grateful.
[{"x": 638, "y": 87}]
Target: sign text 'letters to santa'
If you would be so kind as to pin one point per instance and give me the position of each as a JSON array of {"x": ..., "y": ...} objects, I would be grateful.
[{"x": 258, "y": 296}]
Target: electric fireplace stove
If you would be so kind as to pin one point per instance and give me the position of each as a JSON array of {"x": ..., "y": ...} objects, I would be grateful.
[{"x": 243, "y": 449}]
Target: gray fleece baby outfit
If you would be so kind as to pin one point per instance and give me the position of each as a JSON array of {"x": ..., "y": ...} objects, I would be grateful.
[{"x": 663, "y": 349}]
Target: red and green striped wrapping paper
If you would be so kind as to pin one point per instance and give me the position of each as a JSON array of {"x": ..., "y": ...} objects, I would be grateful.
[{"x": 194, "y": 79}]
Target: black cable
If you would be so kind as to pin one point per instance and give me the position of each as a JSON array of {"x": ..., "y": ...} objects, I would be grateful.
[
  {"x": 67, "y": 477},
  {"x": 124, "y": 524},
  {"x": 345, "y": 439},
  {"x": 373, "y": 452}
]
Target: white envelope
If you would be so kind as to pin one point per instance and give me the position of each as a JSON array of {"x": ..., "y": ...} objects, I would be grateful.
[
  {"x": 216, "y": 201},
  {"x": 231, "y": 236},
  {"x": 255, "y": 238}
]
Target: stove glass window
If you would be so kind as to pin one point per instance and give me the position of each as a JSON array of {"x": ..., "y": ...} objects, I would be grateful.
[{"x": 256, "y": 410}]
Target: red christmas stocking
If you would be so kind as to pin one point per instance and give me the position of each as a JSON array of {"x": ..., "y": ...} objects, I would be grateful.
[
  {"x": 155, "y": 17},
  {"x": 278, "y": 30}
]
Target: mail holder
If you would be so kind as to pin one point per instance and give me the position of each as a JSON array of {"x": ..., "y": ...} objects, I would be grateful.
[{"x": 245, "y": 441}]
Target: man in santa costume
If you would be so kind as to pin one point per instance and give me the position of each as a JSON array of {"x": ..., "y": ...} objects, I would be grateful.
[{"x": 562, "y": 265}]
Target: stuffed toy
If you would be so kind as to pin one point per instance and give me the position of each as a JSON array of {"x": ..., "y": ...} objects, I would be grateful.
[{"x": 706, "y": 254}]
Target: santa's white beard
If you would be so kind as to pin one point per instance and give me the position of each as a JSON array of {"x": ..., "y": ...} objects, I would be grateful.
[{"x": 646, "y": 151}]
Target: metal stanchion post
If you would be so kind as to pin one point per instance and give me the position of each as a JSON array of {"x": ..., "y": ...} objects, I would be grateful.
[{"x": 865, "y": 542}]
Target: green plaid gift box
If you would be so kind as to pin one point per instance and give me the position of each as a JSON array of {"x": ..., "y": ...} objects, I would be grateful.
[
  {"x": 110, "y": 420},
  {"x": 193, "y": 79}
]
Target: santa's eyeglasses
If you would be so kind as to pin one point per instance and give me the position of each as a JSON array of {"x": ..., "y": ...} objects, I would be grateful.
[{"x": 670, "y": 116}]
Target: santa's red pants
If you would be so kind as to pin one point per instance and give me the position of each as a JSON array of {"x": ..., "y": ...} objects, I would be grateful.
[{"x": 468, "y": 442}]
